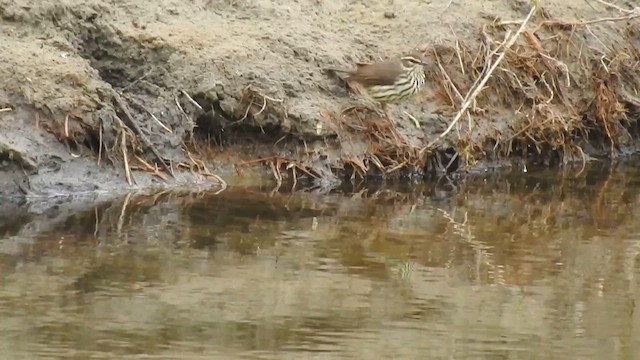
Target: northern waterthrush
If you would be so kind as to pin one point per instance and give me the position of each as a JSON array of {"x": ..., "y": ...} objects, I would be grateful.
[{"x": 390, "y": 81}]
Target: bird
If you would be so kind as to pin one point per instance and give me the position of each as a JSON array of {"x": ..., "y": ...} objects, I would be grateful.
[{"x": 390, "y": 81}]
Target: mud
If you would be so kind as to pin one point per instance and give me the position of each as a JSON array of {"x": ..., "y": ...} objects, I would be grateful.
[{"x": 90, "y": 90}]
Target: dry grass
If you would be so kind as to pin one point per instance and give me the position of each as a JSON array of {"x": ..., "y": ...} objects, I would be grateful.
[{"x": 551, "y": 90}]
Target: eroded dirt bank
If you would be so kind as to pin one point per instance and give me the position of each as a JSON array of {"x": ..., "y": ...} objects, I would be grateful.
[{"x": 99, "y": 95}]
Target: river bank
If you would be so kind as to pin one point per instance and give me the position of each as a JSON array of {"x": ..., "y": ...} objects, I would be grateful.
[{"x": 105, "y": 95}]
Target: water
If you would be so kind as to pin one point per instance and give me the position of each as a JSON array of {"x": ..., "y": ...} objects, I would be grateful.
[{"x": 527, "y": 266}]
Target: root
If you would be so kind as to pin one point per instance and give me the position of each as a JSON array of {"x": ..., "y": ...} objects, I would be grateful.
[
  {"x": 249, "y": 97},
  {"x": 277, "y": 164},
  {"x": 131, "y": 123},
  {"x": 152, "y": 169},
  {"x": 195, "y": 103},
  {"x": 202, "y": 169},
  {"x": 387, "y": 150},
  {"x": 143, "y": 107},
  {"x": 123, "y": 148}
]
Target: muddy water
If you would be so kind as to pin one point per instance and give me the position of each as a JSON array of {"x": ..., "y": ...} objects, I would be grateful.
[{"x": 527, "y": 266}]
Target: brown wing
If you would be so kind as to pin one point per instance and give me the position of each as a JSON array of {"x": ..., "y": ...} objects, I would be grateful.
[{"x": 383, "y": 73}]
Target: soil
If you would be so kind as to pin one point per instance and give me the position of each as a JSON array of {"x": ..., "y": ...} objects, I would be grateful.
[{"x": 90, "y": 90}]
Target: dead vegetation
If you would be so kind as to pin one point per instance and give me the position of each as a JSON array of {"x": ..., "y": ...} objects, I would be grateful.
[
  {"x": 555, "y": 84},
  {"x": 540, "y": 88}
]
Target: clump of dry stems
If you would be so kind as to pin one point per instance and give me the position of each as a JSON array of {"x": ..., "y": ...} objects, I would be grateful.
[{"x": 544, "y": 86}]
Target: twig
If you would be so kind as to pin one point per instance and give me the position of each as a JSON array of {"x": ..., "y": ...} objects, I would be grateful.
[
  {"x": 457, "y": 48},
  {"x": 7, "y": 109},
  {"x": 632, "y": 15},
  {"x": 398, "y": 166},
  {"x": 563, "y": 67},
  {"x": 446, "y": 75},
  {"x": 415, "y": 121},
  {"x": 448, "y": 5},
  {"x": 295, "y": 178},
  {"x": 471, "y": 97},
  {"x": 506, "y": 22},
  {"x": 139, "y": 79},
  {"x": 221, "y": 182},
  {"x": 66, "y": 126},
  {"x": 67, "y": 137},
  {"x": 202, "y": 168},
  {"x": 150, "y": 168},
  {"x": 606, "y": 48},
  {"x": 251, "y": 103},
  {"x": 100, "y": 143},
  {"x": 180, "y": 106},
  {"x": 134, "y": 126},
  {"x": 143, "y": 107},
  {"x": 276, "y": 174},
  {"x": 453, "y": 158},
  {"x": 159, "y": 122},
  {"x": 189, "y": 119},
  {"x": 123, "y": 148},
  {"x": 191, "y": 100},
  {"x": 626, "y": 11},
  {"x": 301, "y": 168}
]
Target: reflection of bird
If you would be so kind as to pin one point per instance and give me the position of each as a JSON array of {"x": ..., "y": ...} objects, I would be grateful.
[{"x": 390, "y": 81}]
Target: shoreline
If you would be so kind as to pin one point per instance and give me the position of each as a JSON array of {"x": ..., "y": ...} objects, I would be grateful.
[{"x": 99, "y": 97}]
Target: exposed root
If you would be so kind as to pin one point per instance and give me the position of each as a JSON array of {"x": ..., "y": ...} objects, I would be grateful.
[
  {"x": 277, "y": 164},
  {"x": 387, "y": 150},
  {"x": 100, "y": 142},
  {"x": 131, "y": 123},
  {"x": 143, "y": 107},
  {"x": 123, "y": 148},
  {"x": 202, "y": 169},
  {"x": 252, "y": 99},
  {"x": 195, "y": 103}
]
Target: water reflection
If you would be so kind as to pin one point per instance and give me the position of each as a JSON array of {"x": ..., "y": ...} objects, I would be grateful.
[{"x": 522, "y": 266}]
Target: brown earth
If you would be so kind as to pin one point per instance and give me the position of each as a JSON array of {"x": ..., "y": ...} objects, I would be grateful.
[{"x": 90, "y": 89}]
